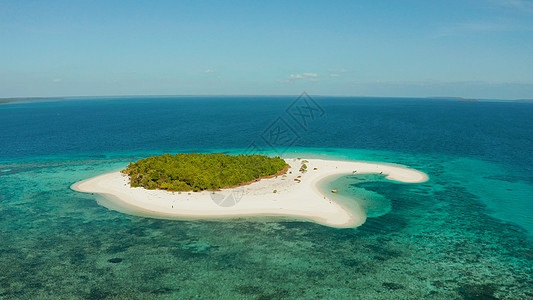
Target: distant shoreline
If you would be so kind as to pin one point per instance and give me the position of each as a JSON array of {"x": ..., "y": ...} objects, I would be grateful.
[
  {"x": 21, "y": 99},
  {"x": 292, "y": 195},
  {"x": 28, "y": 99}
]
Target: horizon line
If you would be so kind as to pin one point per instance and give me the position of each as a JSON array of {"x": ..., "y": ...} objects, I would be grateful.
[{"x": 22, "y": 98}]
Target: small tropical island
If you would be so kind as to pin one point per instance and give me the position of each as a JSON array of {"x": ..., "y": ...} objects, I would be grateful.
[
  {"x": 198, "y": 172},
  {"x": 214, "y": 186}
]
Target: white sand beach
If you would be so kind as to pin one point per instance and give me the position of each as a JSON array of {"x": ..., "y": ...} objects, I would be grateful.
[{"x": 296, "y": 194}]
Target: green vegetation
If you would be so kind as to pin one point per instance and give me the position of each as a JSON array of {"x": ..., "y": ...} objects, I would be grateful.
[
  {"x": 9, "y": 100},
  {"x": 197, "y": 172}
]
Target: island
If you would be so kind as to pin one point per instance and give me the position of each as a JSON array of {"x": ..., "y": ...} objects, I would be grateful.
[
  {"x": 23, "y": 99},
  {"x": 279, "y": 188}
]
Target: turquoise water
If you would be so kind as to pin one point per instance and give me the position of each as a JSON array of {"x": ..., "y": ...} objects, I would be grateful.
[
  {"x": 352, "y": 193},
  {"x": 466, "y": 233}
]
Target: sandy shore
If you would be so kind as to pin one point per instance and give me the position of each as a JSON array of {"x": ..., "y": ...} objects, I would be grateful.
[{"x": 292, "y": 198}]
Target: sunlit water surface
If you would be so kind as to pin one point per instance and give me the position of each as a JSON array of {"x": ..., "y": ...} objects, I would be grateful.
[{"x": 465, "y": 233}]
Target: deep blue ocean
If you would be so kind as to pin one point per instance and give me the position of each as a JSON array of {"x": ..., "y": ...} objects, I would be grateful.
[{"x": 466, "y": 233}]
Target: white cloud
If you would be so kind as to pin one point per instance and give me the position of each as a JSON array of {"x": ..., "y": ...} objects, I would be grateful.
[
  {"x": 494, "y": 25},
  {"x": 303, "y": 76},
  {"x": 208, "y": 71},
  {"x": 56, "y": 80},
  {"x": 309, "y": 76},
  {"x": 478, "y": 27},
  {"x": 337, "y": 71},
  {"x": 522, "y": 5}
]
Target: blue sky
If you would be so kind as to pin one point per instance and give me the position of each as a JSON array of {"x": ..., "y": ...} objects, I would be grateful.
[{"x": 469, "y": 48}]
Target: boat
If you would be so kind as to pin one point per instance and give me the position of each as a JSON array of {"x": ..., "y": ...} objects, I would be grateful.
[{"x": 334, "y": 191}]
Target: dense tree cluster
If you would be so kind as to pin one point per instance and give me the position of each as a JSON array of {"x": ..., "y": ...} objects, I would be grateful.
[{"x": 197, "y": 172}]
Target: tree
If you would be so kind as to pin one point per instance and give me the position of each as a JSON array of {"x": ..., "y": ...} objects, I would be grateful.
[{"x": 194, "y": 171}]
